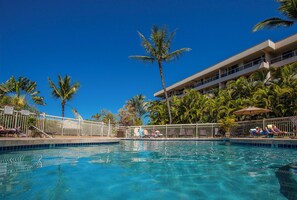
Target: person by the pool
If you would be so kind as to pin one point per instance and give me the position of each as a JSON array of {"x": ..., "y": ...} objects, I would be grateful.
[{"x": 275, "y": 130}]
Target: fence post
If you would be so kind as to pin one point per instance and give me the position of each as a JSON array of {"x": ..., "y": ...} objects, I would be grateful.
[
  {"x": 108, "y": 128},
  {"x": 16, "y": 120},
  {"x": 102, "y": 129},
  {"x": 263, "y": 123},
  {"x": 79, "y": 127},
  {"x": 196, "y": 130},
  {"x": 91, "y": 128},
  {"x": 43, "y": 121},
  {"x": 62, "y": 126},
  {"x": 212, "y": 130},
  {"x": 166, "y": 130}
]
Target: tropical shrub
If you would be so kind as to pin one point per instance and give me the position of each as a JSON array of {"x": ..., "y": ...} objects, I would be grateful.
[{"x": 274, "y": 89}]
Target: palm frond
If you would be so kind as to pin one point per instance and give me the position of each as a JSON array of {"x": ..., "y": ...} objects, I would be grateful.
[
  {"x": 288, "y": 8},
  {"x": 143, "y": 58},
  {"x": 4, "y": 89},
  {"x": 272, "y": 23},
  {"x": 55, "y": 91},
  {"x": 176, "y": 54},
  {"x": 71, "y": 91},
  {"x": 31, "y": 87},
  {"x": 147, "y": 45},
  {"x": 169, "y": 40},
  {"x": 38, "y": 100}
]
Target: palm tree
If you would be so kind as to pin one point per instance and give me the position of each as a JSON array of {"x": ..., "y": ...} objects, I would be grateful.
[
  {"x": 20, "y": 88},
  {"x": 139, "y": 105},
  {"x": 105, "y": 116},
  {"x": 109, "y": 118},
  {"x": 287, "y": 8},
  {"x": 158, "y": 50},
  {"x": 97, "y": 116},
  {"x": 64, "y": 90}
]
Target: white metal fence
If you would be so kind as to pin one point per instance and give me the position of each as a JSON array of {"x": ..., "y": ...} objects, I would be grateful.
[
  {"x": 207, "y": 130},
  {"x": 75, "y": 127},
  {"x": 287, "y": 124},
  {"x": 57, "y": 125},
  {"x": 212, "y": 130}
]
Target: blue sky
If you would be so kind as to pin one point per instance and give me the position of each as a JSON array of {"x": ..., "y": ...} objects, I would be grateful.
[{"x": 92, "y": 40}]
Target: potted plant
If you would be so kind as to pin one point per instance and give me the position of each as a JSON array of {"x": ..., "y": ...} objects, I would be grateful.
[{"x": 227, "y": 124}]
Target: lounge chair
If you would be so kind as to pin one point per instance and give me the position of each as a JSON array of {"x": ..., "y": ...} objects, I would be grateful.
[
  {"x": 253, "y": 132},
  {"x": 275, "y": 131},
  {"x": 36, "y": 132},
  {"x": 171, "y": 133},
  {"x": 146, "y": 134},
  {"x": 156, "y": 134},
  {"x": 4, "y": 132},
  {"x": 182, "y": 133},
  {"x": 203, "y": 133},
  {"x": 136, "y": 132},
  {"x": 12, "y": 131},
  {"x": 190, "y": 133},
  {"x": 218, "y": 132}
]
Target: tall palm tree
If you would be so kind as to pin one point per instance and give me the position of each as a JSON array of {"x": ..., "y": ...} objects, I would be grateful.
[
  {"x": 20, "y": 88},
  {"x": 64, "y": 90},
  {"x": 287, "y": 8},
  {"x": 158, "y": 50}
]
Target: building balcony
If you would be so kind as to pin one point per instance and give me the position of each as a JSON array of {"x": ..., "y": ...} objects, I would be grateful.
[
  {"x": 284, "y": 59},
  {"x": 231, "y": 74}
]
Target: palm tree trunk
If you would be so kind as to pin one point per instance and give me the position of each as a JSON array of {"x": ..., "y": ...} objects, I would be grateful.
[
  {"x": 18, "y": 91},
  {"x": 63, "y": 108},
  {"x": 165, "y": 92}
]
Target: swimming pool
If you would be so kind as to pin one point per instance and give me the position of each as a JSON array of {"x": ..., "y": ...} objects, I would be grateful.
[{"x": 149, "y": 170}]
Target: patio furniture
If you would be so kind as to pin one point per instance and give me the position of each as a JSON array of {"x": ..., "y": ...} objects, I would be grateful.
[
  {"x": 172, "y": 133},
  {"x": 12, "y": 131},
  {"x": 182, "y": 133},
  {"x": 190, "y": 133},
  {"x": 36, "y": 132},
  {"x": 203, "y": 133}
]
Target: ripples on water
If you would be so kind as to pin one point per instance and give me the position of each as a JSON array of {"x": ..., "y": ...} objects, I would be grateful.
[{"x": 149, "y": 170}]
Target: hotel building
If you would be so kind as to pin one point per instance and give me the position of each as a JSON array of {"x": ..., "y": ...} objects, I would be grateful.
[{"x": 264, "y": 55}]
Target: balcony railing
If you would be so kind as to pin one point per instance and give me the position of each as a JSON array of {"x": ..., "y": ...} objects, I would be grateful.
[
  {"x": 284, "y": 57},
  {"x": 232, "y": 71},
  {"x": 242, "y": 67}
]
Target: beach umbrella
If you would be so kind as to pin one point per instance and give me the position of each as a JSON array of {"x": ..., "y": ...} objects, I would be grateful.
[{"x": 251, "y": 110}]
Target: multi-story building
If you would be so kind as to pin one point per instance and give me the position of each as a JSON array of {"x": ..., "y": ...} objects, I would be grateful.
[{"x": 264, "y": 55}]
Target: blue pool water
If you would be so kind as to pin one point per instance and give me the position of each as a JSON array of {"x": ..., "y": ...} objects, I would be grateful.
[{"x": 149, "y": 170}]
